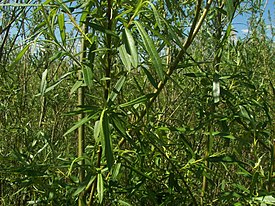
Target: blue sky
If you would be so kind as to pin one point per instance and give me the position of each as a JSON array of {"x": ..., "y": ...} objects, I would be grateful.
[{"x": 240, "y": 23}]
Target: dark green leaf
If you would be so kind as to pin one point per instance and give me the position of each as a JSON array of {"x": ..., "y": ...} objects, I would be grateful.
[{"x": 106, "y": 138}]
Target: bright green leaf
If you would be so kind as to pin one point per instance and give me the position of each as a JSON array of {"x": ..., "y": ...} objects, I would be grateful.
[
  {"x": 152, "y": 51},
  {"x": 43, "y": 84},
  {"x": 88, "y": 76},
  {"x": 138, "y": 100},
  {"x": 79, "y": 123},
  {"x": 100, "y": 187},
  {"x": 19, "y": 56},
  {"x": 76, "y": 85},
  {"x": 131, "y": 47},
  {"x": 62, "y": 28},
  {"x": 125, "y": 57},
  {"x": 121, "y": 202}
]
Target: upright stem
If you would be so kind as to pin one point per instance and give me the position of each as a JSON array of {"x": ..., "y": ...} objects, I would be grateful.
[
  {"x": 109, "y": 52},
  {"x": 107, "y": 86},
  {"x": 80, "y": 139}
]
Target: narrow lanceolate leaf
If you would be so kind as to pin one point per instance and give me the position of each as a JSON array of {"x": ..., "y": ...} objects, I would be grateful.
[
  {"x": 19, "y": 56},
  {"x": 106, "y": 139},
  {"x": 157, "y": 16},
  {"x": 117, "y": 89},
  {"x": 216, "y": 89},
  {"x": 131, "y": 47},
  {"x": 96, "y": 131},
  {"x": 141, "y": 99},
  {"x": 121, "y": 202},
  {"x": 88, "y": 76},
  {"x": 152, "y": 51},
  {"x": 79, "y": 123},
  {"x": 125, "y": 57},
  {"x": 100, "y": 187},
  {"x": 76, "y": 86},
  {"x": 62, "y": 28},
  {"x": 43, "y": 84},
  {"x": 229, "y": 5}
]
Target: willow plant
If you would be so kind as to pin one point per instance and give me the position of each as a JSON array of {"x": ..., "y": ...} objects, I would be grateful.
[{"x": 158, "y": 98}]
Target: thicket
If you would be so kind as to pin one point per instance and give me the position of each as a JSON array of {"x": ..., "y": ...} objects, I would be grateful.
[{"x": 117, "y": 102}]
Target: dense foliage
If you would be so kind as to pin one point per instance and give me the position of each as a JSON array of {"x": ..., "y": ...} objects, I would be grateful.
[{"x": 117, "y": 102}]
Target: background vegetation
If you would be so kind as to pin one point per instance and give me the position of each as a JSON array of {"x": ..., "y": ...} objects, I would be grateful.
[{"x": 117, "y": 102}]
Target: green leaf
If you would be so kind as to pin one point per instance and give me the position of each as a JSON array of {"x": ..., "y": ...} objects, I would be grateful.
[
  {"x": 88, "y": 76},
  {"x": 173, "y": 35},
  {"x": 150, "y": 77},
  {"x": 80, "y": 188},
  {"x": 19, "y": 56},
  {"x": 76, "y": 85},
  {"x": 216, "y": 89},
  {"x": 117, "y": 89},
  {"x": 115, "y": 171},
  {"x": 106, "y": 138},
  {"x": 195, "y": 74},
  {"x": 151, "y": 49},
  {"x": 63, "y": 6},
  {"x": 118, "y": 124},
  {"x": 102, "y": 29},
  {"x": 125, "y": 57},
  {"x": 62, "y": 28},
  {"x": 58, "y": 82},
  {"x": 244, "y": 112},
  {"x": 229, "y": 5},
  {"x": 157, "y": 16},
  {"x": 79, "y": 123},
  {"x": 138, "y": 100},
  {"x": 121, "y": 202},
  {"x": 269, "y": 199},
  {"x": 43, "y": 84},
  {"x": 131, "y": 47},
  {"x": 100, "y": 187},
  {"x": 96, "y": 131}
]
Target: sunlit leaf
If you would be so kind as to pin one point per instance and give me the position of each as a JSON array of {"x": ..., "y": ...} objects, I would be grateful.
[
  {"x": 76, "y": 85},
  {"x": 100, "y": 187},
  {"x": 152, "y": 51},
  {"x": 157, "y": 16},
  {"x": 121, "y": 202},
  {"x": 125, "y": 57},
  {"x": 43, "y": 84},
  {"x": 19, "y": 56},
  {"x": 138, "y": 100},
  {"x": 79, "y": 123},
  {"x": 62, "y": 28},
  {"x": 131, "y": 47},
  {"x": 216, "y": 89},
  {"x": 96, "y": 131},
  {"x": 87, "y": 76}
]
